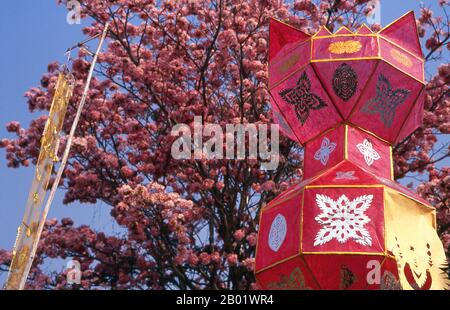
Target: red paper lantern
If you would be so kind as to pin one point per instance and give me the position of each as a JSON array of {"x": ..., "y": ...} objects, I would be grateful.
[{"x": 347, "y": 97}]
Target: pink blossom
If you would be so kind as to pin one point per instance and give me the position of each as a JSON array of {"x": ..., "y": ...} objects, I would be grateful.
[
  {"x": 232, "y": 259},
  {"x": 239, "y": 234}
]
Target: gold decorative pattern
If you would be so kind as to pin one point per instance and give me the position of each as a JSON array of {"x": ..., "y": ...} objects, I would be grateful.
[
  {"x": 295, "y": 281},
  {"x": 345, "y": 47},
  {"x": 47, "y": 156},
  {"x": 289, "y": 63},
  {"x": 401, "y": 57}
]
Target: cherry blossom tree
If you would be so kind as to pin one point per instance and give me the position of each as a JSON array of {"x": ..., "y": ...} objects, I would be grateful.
[{"x": 192, "y": 223}]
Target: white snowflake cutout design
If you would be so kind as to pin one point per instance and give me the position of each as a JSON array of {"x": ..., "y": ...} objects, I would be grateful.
[
  {"x": 277, "y": 232},
  {"x": 370, "y": 155},
  {"x": 343, "y": 219},
  {"x": 323, "y": 154}
]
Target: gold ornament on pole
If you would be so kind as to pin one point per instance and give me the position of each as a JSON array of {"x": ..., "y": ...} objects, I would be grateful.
[
  {"x": 26, "y": 233},
  {"x": 30, "y": 230}
]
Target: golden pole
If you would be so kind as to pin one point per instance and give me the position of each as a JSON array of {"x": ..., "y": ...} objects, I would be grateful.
[{"x": 23, "y": 255}]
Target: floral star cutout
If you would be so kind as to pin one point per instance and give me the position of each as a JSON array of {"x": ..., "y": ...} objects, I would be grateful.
[
  {"x": 370, "y": 155},
  {"x": 386, "y": 101},
  {"x": 302, "y": 98},
  {"x": 343, "y": 219},
  {"x": 323, "y": 154}
]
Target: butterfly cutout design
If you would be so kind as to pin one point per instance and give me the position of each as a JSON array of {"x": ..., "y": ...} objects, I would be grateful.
[
  {"x": 367, "y": 150},
  {"x": 302, "y": 98},
  {"x": 323, "y": 153},
  {"x": 386, "y": 101}
]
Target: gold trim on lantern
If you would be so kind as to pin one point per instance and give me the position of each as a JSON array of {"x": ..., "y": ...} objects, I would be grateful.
[
  {"x": 353, "y": 34},
  {"x": 301, "y": 221},
  {"x": 346, "y": 59},
  {"x": 370, "y": 133},
  {"x": 345, "y": 253},
  {"x": 276, "y": 62},
  {"x": 400, "y": 47},
  {"x": 320, "y": 29},
  {"x": 345, "y": 142},
  {"x": 343, "y": 186},
  {"x": 290, "y": 26},
  {"x": 403, "y": 71},
  {"x": 277, "y": 263},
  {"x": 284, "y": 199},
  {"x": 391, "y": 164},
  {"x": 321, "y": 134}
]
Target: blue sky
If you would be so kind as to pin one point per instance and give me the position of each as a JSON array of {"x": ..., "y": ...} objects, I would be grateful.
[{"x": 35, "y": 33}]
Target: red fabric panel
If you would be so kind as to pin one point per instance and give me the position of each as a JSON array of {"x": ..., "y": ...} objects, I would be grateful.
[
  {"x": 414, "y": 118},
  {"x": 361, "y": 155},
  {"x": 288, "y": 62},
  {"x": 341, "y": 272},
  {"x": 404, "y": 32},
  {"x": 283, "y": 36},
  {"x": 327, "y": 72},
  {"x": 312, "y": 228},
  {"x": 331, "y": 144},
  {"x": 379, "y": 98},
  {"x": 289, "y": 243},
  {"x": 402, "y": 60},
  {"x": 292, "y": 274},
  {"x": 346, "y": 173},
  {"x": 318, "y": 119}
]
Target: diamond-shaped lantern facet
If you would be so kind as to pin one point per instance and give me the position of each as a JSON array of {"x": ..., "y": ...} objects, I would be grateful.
[{"x": 347, "y": 97}]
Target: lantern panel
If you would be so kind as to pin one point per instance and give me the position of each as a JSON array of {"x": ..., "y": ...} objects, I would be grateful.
[
  {"x": 305, "y": 105},
  {"x": 324, "y": 152},
  {"x": 343, "y": 220},
  {"x": 386, "y": 102},
  {"x": 289, "y": 62},
  {"x": 344, "y": 81},
  {"x": 345, "y": 173},
  {"x": 402, "y": 59},
  {"x": 414, "y": 118},
  {"x": 340, "y": 47},
  {"x": 369, "y": 152},
  {"x": 342, "y": 272},
  {"x": 403, "y": 32},
  {"x": 279, "y": 232},
  {"x": 289, "y": 275}
]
